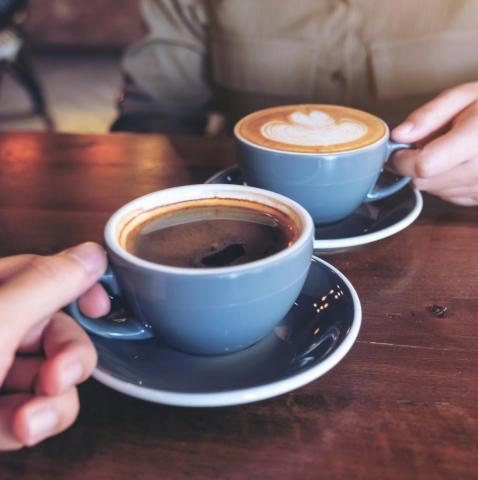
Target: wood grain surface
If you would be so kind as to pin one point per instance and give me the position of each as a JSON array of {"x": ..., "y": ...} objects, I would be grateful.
[{"x": 403, "y": 404}]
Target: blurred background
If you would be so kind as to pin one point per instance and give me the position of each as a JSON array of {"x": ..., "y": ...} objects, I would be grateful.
[{"x": 59, "y": 62}]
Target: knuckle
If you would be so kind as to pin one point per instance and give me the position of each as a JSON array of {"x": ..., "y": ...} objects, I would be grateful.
[
  {"x": 56, "y": 270},
  {"x": 70, "y": 414},
  {"x": 85, "y": 353},
  {"x": 93, "y": 361},
  {"x": 28, "y": 257},
  {"x": 74, "y": 402},
  {"x": 423, "y": 116},
  {"x": 470, "y": 88},
  {"x": 7, "y": 357},
  {"x": 462, "y": 94},
  {"x": 88, "y": 358},
  {"x": 424, "y": 166},
  {"x": 452, "y": 94},
  {"x": 46, "y": 267},
  {"x": 474, "y": 108}
]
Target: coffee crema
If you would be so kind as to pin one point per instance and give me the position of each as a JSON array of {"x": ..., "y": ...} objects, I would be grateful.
[
  {"x": 311, "y": 128},
  {"x": 208, "y": 233}
]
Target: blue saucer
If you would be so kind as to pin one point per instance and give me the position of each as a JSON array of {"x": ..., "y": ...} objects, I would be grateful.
[
  {"x": 369, "y": 223},
  {"x": 315, "y": 335}
]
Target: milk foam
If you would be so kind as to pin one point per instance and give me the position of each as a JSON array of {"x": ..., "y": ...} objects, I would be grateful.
[{"x": 313, "y": 129}]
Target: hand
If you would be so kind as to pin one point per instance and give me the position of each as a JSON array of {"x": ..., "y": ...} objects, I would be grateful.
[
  {"x": 446, "y": 129},
  {"x": 44, "y": 354}
]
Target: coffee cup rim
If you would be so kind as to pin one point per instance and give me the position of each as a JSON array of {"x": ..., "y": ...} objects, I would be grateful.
[
  {"x": 240, "y": 138},
  {"x": 149, "y": 201}
]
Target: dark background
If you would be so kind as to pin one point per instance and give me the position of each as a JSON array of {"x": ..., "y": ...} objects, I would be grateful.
[{"x": 104, "y": 24}]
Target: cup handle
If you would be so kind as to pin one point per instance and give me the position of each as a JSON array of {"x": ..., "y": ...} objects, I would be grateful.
[
  {"x": 379, "y": 192},
  {"x": 128, "y": 328}
]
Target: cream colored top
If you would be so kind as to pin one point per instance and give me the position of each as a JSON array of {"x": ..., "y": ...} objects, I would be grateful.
[{"x": 384, "y": 56}]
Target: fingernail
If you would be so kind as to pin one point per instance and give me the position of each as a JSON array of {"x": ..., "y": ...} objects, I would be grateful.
[
  {"x": 90, "y": 255},
  {"x": 404, "y": 128},
  {"x": 41, "y": 424},
  {"x": 71, "y": 375}
]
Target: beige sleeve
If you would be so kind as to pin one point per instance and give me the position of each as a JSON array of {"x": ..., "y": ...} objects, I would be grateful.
[{"x": 169, "y": 64}]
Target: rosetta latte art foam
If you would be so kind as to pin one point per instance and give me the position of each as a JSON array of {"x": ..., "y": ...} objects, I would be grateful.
[
  {"x": 314, "y": 128},
  {"x": 311, "y": 128}
]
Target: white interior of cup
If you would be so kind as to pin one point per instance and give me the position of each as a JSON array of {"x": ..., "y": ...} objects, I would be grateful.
[{"x": 171, "y": 196}]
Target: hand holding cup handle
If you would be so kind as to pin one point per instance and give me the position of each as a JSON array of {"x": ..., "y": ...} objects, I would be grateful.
[
  {"x": 325, "y": 157},
  {"x": 380, "y": 192},
  {"x": 203, "y": 311},
  {"x": 128, "y": 328}
]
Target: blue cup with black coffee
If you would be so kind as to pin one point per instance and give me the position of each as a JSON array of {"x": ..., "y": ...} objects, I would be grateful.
[{"x": 208, "y": 269}]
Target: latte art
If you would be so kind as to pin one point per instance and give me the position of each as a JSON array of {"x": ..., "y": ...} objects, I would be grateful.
[
  {"x": 314, "y": 128},
  {"x": 311, "y": 128}
]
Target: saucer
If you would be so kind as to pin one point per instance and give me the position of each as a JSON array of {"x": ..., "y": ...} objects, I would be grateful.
[
  {"x": 312, "y": 338},
  {"x": 369, "y": 223}
]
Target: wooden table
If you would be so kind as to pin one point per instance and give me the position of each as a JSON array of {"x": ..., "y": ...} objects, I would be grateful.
[{"x": 403, "y": 404}]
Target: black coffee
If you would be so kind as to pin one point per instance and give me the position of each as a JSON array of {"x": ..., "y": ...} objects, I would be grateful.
[{"x": 208, "y": 233}]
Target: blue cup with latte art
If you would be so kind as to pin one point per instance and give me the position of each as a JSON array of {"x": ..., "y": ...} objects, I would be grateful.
[{"x": 328, "y": 158}]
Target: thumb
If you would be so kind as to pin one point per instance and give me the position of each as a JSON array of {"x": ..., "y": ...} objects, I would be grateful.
[
  {"x": 42, "y": 288},
  {"x": 435, "y": 114}
]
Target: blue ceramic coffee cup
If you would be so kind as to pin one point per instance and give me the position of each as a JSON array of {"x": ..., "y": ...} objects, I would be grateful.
[
  {"x": 330, "y": 186},
  {"x": 203, "y": 310}
]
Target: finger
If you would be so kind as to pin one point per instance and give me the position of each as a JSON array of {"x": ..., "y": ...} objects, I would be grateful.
[
  {"x": 464, "y": 201},
  {"x": 95, "y": 302},
  {"x": 457, "y": 192},
  {"x": 463, "y": 175},
  {"x": 8, "y": 406},
  {"x": 32, "y": 341},
  {"x": 404, "y": 162},
  {"x": 70, "y": 356},
  {"x": 436, "y": 113},
  {"x": 11, "y": 265},
  {"x": 42, "y": 417},
  {"x": 41, "y": 289},
  {"x": 441, "y": 154},
  {"x": 23, "y": 374}
]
